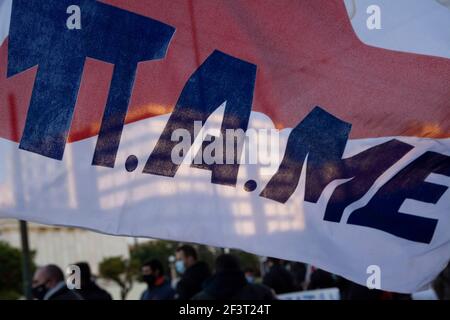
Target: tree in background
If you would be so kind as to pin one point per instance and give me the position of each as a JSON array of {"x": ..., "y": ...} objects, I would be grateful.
[
  {"x": 11, "y": 284},
  {"x": 121, "y": 271}
]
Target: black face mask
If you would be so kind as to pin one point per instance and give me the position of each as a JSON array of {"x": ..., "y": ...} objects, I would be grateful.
[
  {"x": 39, "y": 291},
  {"x": 149, "y": 279}
]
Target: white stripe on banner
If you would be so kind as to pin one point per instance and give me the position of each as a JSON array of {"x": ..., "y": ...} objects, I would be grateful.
[{"x": 5, "y": 16}]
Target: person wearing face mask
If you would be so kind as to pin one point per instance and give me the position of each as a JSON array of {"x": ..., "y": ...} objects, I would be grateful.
[
  {"x": 193, "y": 272},
  {"x": 49, "y": 284},
  {"x": 158, "y": 287}
]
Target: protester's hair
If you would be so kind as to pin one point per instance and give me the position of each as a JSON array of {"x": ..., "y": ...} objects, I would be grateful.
[
  {"x": 154, "y": 264},
  {"x": 85, "y": 272},
  {"x": 274, "y": 260},
  {"x": 189, "y": 251},
  {"x": 54, "y": 272},
  {"x": 227, "y": 262}
]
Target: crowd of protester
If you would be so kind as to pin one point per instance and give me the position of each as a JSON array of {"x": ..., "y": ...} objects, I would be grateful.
[{"x": 195, "y": 281}]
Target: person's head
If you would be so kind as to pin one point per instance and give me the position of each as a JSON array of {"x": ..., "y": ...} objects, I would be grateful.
[
  {"x": 227, "y": 263},
  {"x": 46, "y": 278},
  {"x": 85, "y": 273},
  {"x": 186, "y": 256},
  {"x": 273, "y": 262},
  {"x": 151, "y": 271}
]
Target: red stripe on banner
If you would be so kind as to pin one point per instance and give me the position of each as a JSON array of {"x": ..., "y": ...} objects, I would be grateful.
[{"x": 306, "y": 52}]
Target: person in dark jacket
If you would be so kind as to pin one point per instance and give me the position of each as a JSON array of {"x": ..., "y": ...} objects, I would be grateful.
[
  {"x": 49, "y": 284},
  {"x": 442, "y": 284},
  {"x": 193, "y": 272},
  {"x": 278, "y": 277},
  {"x": 89, "y": 290},
  {"x": 158, "y": 287},
  {"x": 229, "y": 283}
]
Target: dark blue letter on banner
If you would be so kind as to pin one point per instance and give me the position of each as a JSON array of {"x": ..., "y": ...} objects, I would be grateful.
[
  {"x": 382, "y": 210},
  {"x": 363, "y": 169},
  {"x": 39, "y": 36},
  {"x": 220, "y": 78},
  {"x": 124, "y": 39},
  {"x": 320, "y": 136}
]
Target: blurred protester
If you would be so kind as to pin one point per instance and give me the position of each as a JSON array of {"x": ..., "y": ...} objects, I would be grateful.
[
  {"x": 230, "y": 283},
  {"x": 158, "y": 286},
  {"x": 49, "y": 284},
  {"x": 250, "y": 275},
  {"x": 278, "y": 277},
  {"x": 89, "y": 289},
  {"x": 193, "y": 272}
]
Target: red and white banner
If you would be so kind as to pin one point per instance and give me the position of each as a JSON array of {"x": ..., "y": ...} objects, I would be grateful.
[{"x": 95, "y": 97}]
